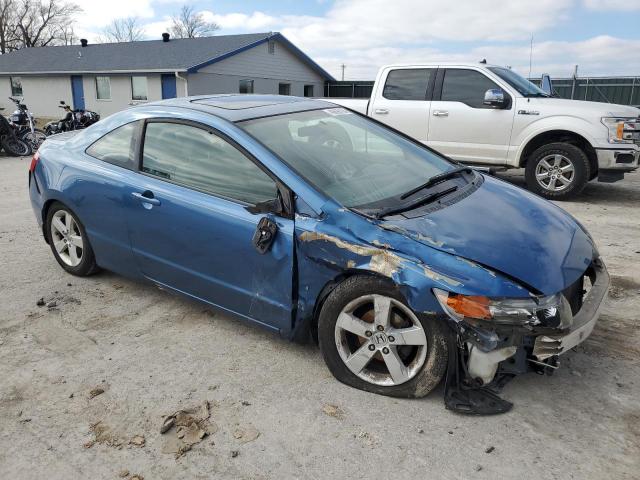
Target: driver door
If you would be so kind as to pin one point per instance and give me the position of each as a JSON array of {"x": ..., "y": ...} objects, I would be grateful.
[
  {"x": 461, "y": 126},
  {"x": 192, "y": 218}
]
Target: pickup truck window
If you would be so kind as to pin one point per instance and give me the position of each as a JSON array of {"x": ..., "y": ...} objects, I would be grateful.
[
  {"x": 521, "y": 84},
  {"x": 348, "y": 157},
  {"x": 466, "y": 86},
  {"x": 408, "y": 84}
]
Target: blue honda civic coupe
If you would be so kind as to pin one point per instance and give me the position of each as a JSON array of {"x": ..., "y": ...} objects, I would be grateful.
[{"x": 316, "y": 222}]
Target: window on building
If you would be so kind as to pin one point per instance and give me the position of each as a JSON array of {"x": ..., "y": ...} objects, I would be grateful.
[
  {"x": 272, "y": 47},
  {"x": 284, "y": 89},
  {"x": 139, "y": 88},
  {"x": 466, "y": 86},
  {"x": 199, "y": 159},
  {"x": 16, "y": 86},
  {"x": 103, "y": 88},
  {"x": 408, "y": 84},
  {"x": 246, "y": 86},
  {"x": 308, "y": 90},
  {"x": 116, "y": 147}
]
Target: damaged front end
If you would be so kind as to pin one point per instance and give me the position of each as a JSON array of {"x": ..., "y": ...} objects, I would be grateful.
[{"x": 496, "y": 339}]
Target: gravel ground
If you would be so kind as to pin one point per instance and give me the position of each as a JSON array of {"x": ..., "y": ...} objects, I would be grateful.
[{"x": 85, "y": 382}]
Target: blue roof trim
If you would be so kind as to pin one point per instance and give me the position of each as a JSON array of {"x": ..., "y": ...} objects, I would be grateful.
[{"x": 276, "y": 36}]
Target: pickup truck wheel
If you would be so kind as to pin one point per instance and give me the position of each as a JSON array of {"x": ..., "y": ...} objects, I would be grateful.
[
  {"x": 371, "y": 340},
  {"x": 557, "y": 171}
]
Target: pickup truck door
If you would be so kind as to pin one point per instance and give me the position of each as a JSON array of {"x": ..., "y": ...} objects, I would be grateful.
[
  {"x": 403, "y": 101},
  {"x": 461, "y": 126}
]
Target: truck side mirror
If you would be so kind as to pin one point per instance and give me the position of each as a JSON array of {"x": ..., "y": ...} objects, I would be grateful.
[
  {"x": 494, "y": 97},
  {"x": 545, "y": 84}
]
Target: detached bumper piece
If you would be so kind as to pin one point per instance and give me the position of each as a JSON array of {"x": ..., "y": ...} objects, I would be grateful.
[{"x": 461, "y": 395}]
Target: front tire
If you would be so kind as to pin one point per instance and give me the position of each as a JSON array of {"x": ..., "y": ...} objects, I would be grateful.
[
  {"x": 557, "y": 171},
  {"x": 14, "y": 146},
  {"x": 69, "y": 242},
  {"x": 371, "y": 340}
]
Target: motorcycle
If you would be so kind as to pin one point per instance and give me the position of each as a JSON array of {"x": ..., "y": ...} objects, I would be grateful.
[
  {"x": 73, "y": 120},
  {"x": 10, "y": 141},
  {"x": 22, "y": 119}
]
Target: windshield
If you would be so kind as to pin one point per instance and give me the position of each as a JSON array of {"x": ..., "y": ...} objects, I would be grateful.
[
  {"x": 521, "y": 84},
  {"x": 348, "y": 157}
]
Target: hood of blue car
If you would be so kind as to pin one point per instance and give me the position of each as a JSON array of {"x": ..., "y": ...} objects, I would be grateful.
[{"x": 509, "y": 230}]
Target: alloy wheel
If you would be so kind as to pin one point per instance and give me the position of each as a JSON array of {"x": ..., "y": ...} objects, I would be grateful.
[
  {"x": 555, "y": 172},
  {"x": 67, "y": 238},
  {"x": 380, "y": 340}
]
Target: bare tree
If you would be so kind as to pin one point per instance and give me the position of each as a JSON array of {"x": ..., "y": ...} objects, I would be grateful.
[
  {"x": 8, "y": 27},
  {"x": 123, "y": 30},
  {"x": 40, "y": 23},
  {"x": 190, "y": 24}
]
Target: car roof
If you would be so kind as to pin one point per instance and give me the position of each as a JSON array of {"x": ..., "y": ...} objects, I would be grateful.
[{"x": 238, "y": 107}]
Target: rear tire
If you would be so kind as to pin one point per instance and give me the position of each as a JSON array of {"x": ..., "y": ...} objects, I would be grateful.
[
  {"x": 557, "y": 171},
  {"x": 419, "y": 342},
  {"x": 69, "y": 242}
]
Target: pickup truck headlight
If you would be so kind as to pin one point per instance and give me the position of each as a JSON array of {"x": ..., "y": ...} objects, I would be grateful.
[
  {"x": 552, "y": 311},
  {"x": 621, "y": 130}
]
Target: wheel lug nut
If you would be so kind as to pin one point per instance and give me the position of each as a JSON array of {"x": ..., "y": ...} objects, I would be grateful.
[
  {"x": 368, "y": 333},
  {"x": 372, "y": 347},
  {"x": 380, "y": 328},
  {"x": 391, "y": 338},
  {"x": 385, "y": 350}
]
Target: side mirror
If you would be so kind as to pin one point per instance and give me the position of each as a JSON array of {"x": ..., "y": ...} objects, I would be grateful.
[
  {"x": 545, "y": 84},
  {"x": 494, "y": 97},
  {"x": 61, "y": 102}
]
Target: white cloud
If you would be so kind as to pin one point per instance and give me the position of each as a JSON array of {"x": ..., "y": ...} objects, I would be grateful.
[
  {"x": 255, "y": 21},
  {"x": 615, "y": 5},
  {"x": 97, "y": 14}
]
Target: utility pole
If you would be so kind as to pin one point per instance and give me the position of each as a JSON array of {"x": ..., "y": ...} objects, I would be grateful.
[
  {"x": 343, "y": 66},
  {"x": 530, "y": 55}
]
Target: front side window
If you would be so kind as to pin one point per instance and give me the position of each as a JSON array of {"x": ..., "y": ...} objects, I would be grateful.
[
  {"x": 466, "y": 86},
  {"x": 138, "y": 88},
  {"x": 308, "y": 90},
  {"x": 16, "y": 86},
  {"x": 103, "y": 88},
  {"x": 284, "y": 89},
  {"x": 246, "y": 86},
  {"x": 116, "y": 147},
  {"x": 347, "y": 156},
  {"x": 408, "y": 84},
  {"x": 200, "y": 159}
]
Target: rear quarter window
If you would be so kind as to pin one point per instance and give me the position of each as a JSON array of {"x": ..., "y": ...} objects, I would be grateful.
[
  {"x": 408, "y": 84},
  {"x": 116, "y": 147}
]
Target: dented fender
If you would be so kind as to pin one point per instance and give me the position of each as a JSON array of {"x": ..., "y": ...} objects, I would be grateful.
[{"x": 341, "y": 243}]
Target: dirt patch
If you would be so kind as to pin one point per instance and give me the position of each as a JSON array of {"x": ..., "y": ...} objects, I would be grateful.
[{"x": 185, "y": 428}]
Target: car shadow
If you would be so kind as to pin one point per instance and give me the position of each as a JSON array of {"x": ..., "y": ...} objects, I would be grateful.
[{"x": 623, "y": 193}]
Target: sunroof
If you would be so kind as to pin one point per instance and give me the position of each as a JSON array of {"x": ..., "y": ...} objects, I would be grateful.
[{"x": 240, "y": 102}]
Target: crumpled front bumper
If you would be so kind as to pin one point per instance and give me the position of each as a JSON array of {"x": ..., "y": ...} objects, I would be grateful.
[{"x": 547, "y": 346}]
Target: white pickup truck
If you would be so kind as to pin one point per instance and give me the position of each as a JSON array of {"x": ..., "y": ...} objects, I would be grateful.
[{"x": 490, "y": 116}]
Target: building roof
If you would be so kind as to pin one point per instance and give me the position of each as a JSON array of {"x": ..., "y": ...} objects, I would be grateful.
[{"x": 182, "y": 55}]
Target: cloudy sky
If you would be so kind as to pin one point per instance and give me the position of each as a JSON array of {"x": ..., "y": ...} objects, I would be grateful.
[{"x": 601, "y": 36}]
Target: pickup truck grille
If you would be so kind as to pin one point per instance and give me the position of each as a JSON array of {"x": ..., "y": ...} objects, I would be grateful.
[{"x": 633, "y": 131}]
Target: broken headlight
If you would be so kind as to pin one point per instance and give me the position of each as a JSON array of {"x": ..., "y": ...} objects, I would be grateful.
[{"x": 551, "y": 311}]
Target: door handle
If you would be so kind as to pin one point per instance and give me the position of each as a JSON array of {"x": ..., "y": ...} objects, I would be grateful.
[
  {"x": 381, "y": 111},
  {"x": 440, "y": 113},
  {"x": 146, "y": 197}
]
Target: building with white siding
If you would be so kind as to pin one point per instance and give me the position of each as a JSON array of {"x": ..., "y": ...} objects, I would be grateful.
[{"x": 109, "y": 77}]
